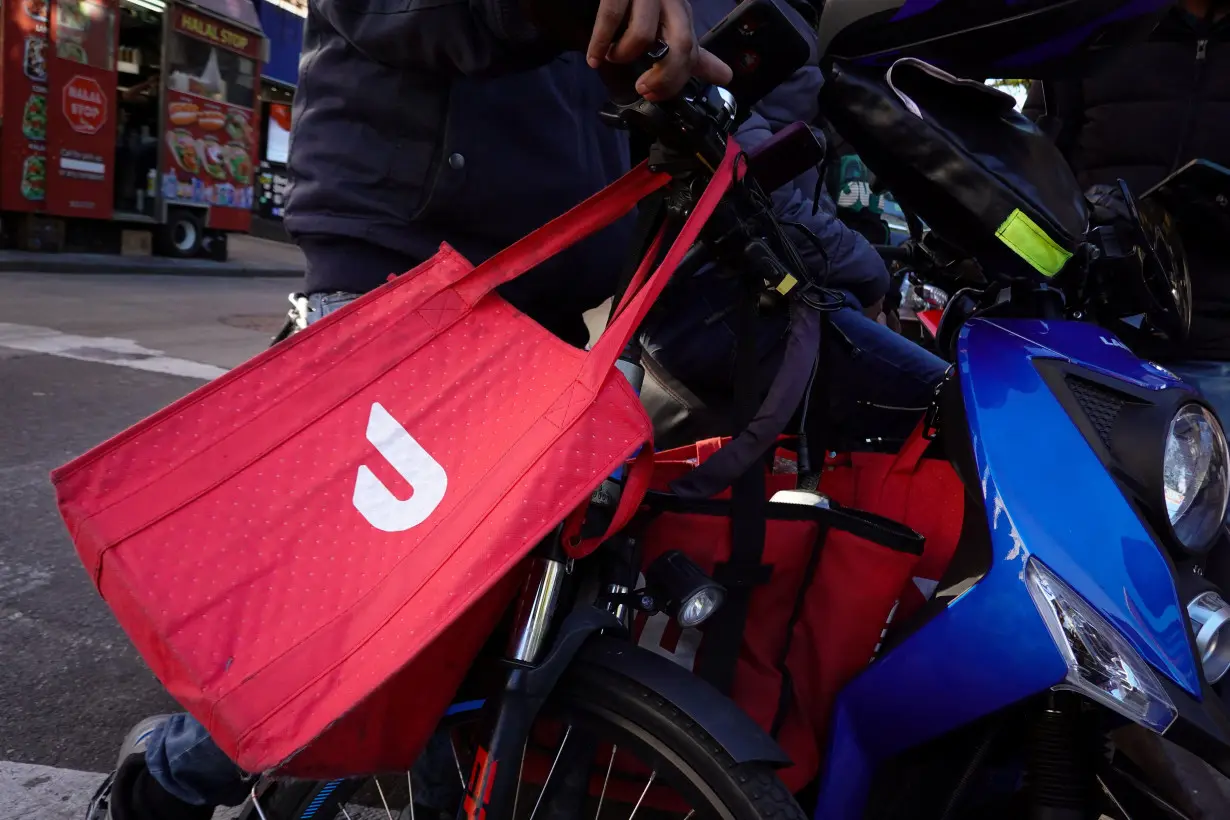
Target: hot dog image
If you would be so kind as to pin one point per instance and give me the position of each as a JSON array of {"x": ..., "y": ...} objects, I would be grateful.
[
  {"x": 183, "y": 113},
  {"x": 211, "y": 119}
]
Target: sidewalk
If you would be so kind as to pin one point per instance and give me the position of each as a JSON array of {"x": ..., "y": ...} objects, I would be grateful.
[{"x": 249, "y": 256}]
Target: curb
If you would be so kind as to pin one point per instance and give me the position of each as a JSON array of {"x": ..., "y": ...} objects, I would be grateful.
[{"x": 106, "y": 265}]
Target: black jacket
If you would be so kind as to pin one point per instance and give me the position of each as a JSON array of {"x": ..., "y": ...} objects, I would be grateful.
[
  {"x": 423, "y": 121},
  {"x": 1145, "y": 112}
]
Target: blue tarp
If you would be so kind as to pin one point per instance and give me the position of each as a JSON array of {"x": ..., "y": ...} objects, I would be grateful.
[{"x": 285, "y": 32}]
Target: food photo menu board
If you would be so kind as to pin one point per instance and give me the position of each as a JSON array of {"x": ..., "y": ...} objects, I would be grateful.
[
  {"x": 23, "y": 140},
  {"x": 84, "y": 33},
  {"x": 58, "y": 139},
  {"x": 83, "y": 108},
  {"x": 211, "y": 130},
  {"x": 209, "y": 152}
]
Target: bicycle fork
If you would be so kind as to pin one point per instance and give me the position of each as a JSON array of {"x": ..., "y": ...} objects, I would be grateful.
[
  {"x": 491, "y": 793},
  {"x": 536, "y": 662}
]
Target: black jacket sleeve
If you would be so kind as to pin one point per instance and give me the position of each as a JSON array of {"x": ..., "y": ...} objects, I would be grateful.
[{"x": 470, "y": 37}]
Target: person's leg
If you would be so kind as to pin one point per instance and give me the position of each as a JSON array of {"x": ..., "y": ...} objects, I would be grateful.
[
  {"x": 879, "y": 382},
  {"x": 176, "y": 745},
  {"x": 185, "y": 761},
  {"x": 321, "y": 305}
]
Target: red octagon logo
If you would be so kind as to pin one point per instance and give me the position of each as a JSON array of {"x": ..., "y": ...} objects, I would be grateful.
[{"x": 85, "y": 105}]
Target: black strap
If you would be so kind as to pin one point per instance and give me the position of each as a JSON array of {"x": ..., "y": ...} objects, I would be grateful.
[
  {"x": 771, "y": 418},
  {"x": 868, "y": 526},
  {"x": 744, "y": 570},
  {"x": 816, "y": 421}
]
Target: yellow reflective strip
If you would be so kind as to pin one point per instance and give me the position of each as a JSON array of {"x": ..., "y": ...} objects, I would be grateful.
[
  {"x": 787, "y": 284},
  {"x": 1031, "y": 243}
]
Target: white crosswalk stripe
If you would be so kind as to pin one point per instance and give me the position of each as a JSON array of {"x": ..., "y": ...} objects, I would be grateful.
[{"x": 102, "y": 350}]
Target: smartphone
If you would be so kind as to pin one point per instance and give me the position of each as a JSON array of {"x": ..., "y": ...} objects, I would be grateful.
[{"x": 764, "y": 42}]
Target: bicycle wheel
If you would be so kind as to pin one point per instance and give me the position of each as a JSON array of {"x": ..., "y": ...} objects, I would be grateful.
[{"x": 633, "y": 754}]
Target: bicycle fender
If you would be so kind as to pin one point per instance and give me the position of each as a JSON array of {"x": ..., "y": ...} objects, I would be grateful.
[{"x": 717, "y": 714}]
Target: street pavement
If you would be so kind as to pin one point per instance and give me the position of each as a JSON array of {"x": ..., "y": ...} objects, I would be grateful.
[
  {"x": 247, "y": 256},
  {"x": 81, "y": 358}
]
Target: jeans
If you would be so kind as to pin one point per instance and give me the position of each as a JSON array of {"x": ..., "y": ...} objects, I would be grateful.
[
  {"x": 879, "y": 381},
  {"x": 181, "y": 755},
  {"x": 1210, "y": 378}
]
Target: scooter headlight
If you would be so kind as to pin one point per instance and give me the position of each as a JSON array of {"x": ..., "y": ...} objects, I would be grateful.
[
  {"x": 1196, "y": 476},
  {"x": 1101, "y": 664},
  {"x": 1210, "y": 617}
]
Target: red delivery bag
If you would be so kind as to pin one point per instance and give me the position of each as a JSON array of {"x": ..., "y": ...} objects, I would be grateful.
[
  {"x": 330, "y": 528},
  {"x": 786, "y": 665},
  {"x": 856, "y": 601},
  {"x": 925, "y": 494}
]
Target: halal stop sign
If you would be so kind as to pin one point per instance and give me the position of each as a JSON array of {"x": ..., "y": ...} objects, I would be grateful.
[{"x": 85, "y": 105}]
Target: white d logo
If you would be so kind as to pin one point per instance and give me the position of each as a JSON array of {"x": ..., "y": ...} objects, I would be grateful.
[{"x": 426, "y": 477}]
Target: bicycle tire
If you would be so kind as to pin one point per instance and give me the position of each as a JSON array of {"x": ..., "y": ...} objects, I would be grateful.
[{"x": 740, "y": 791}]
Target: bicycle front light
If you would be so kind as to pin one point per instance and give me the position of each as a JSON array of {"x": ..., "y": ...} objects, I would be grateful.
[
  {"x": 1101, "y": 664},
  {"x": 1195, "y": 476},
  {"x": 690, "y": 595}
]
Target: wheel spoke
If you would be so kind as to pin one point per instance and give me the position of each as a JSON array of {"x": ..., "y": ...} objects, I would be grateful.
[
  {"x": 345, "y": 813},
  {"x": 641, "y": 799},
  {"x": 256, "y": 804},
  {"x": 610, "y": 764},
  {"x": 457, "y": 759},
  {"x": 410, "y": 791},
  {"x": 387, "y": 811},
  {"x": 520, "y": 777},
  {"x": 550, "y": 772}
]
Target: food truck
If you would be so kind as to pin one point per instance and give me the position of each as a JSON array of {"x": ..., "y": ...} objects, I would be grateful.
[{"x": 123, "y": 118}]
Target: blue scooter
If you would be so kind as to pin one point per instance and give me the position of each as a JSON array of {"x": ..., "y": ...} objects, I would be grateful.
[{"x": 1083, "y": 614}]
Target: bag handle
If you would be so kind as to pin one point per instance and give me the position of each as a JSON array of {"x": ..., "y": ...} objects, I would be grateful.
[
  {"x": 639, "y": 276},
  {"x": 640, "y": 474},
  {"x": 898, "y": 481},
  {"x": 601, "y": 210},
  {"x": 619, "y": 331},
  {"x": 907, "y": 458}
]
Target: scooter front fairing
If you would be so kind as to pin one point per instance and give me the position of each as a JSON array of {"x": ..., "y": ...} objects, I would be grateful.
[{"x": 1052, "y": 520}]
